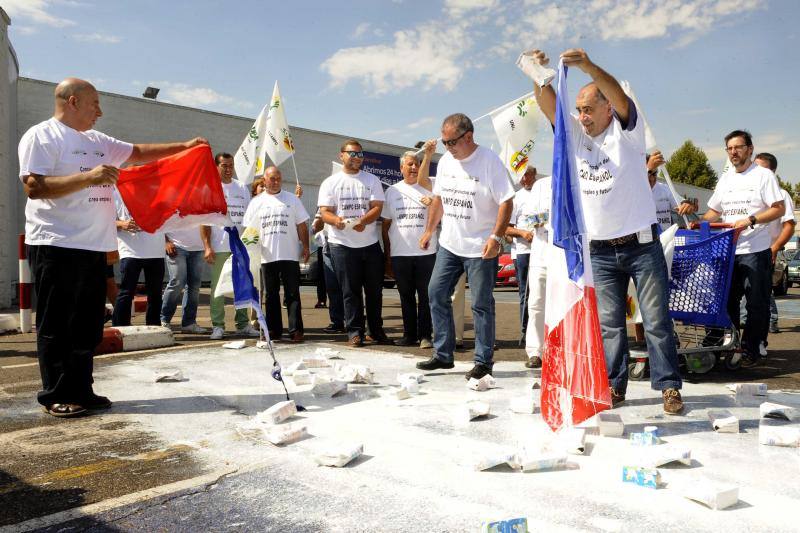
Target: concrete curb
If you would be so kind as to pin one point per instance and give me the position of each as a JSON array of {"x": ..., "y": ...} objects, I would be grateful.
[{"x": 134, "y": 338}]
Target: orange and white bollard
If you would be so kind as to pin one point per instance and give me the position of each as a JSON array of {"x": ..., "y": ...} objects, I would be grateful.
[{"x": 25, "y": 287}]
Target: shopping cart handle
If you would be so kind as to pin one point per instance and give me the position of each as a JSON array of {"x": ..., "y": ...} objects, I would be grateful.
[{"x": 712, "y": 225}]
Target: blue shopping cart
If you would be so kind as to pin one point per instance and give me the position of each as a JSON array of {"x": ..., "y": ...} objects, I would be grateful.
[{"x": 700, "y": 280}]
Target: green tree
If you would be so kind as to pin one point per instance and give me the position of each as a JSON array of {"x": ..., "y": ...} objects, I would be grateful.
[{"x": 689, "y": 164}]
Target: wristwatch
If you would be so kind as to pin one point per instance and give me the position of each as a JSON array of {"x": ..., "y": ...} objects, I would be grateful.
[
  {"x": 752, "y": 220},
  {"x": 498, "y": 239}
]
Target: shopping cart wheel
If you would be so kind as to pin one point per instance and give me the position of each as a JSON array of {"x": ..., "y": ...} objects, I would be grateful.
[
  {"x": 700, "y": 363},
  {"x": 732, "y": 360},
  {"x": 637, "y": 371}
]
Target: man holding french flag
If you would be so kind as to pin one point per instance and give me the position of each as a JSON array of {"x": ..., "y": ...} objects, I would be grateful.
[{"x": 603, "y": 220}]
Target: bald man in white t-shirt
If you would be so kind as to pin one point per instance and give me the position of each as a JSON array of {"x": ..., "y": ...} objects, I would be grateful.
[
  {"x": 68, "y": 171},
  {"x": 620, "y": 218}
]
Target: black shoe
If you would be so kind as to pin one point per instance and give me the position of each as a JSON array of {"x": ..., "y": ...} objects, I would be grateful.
[
  {"x": 405, "y": 341},
  {"x": 96, "y": 401},
  {"x": 534, "y": 362},
  {"x": 333, "y": 328},
  {"x": 434, "y": 364},
  {"x": 460, "y": 345},
  {"x": 478, "y": 371},
  {"x": 381, "y": 339},
  {"x": 617, "y": 397},
  {"x": 749, "y": 361}
]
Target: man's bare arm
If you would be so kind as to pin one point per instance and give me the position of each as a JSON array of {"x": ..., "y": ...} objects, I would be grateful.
[
  {"x": 142, "y": 153},
  {"x": 329, "y": 216},
  {"x": 423, "y": 175},
  {"x": 607, "y": 84},
  {"x": 49, "y": 187}
]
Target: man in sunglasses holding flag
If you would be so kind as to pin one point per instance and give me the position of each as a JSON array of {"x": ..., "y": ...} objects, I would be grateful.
[{"x": 473, "y": 199}]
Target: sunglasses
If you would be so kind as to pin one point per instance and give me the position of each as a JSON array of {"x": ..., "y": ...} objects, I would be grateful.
[
  {"x": 453, "y": 142},
  {"x": 652, "y": 172},
  {"x": 353, "y": 153}
]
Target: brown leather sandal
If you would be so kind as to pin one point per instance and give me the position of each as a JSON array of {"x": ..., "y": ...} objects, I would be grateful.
[{"x": 65, "y": 410}]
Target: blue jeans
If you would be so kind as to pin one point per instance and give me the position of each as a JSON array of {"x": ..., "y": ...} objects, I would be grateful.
[
  {"x": 360, "y": 271},
  {"x": 481, "y": 274},
  {"x": 185, "y": 269},
  {"x": 129, "y": 269},
  {"x": 613, "y": 267},
  {"x": 335, "y": 300},
  {"x": 521, "y": 266}
]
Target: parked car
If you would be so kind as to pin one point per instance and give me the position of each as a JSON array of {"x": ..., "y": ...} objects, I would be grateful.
[
  {"x": 506, "y": 272},
  {"x": 780, "y": 276},
  {"x": 793, "y": 270}
]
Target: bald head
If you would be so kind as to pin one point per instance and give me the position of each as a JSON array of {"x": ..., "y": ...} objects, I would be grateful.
[
  {"x": 77, "y": 104},
  {"x": 594, "y": 110},
  {"x": 72, "y": 87}
]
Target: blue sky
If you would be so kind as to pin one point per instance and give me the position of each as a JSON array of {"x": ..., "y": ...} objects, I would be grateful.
[{"x": 391, "y": 70}]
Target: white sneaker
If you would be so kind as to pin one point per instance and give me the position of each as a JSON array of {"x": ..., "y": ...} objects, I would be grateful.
[
  {"x": 193, "y": 328},
  {"x": 248, "y": 331},
  {"x": 166, "y": 325},
  {"x": 217, "y": 333},
  {"x": 762, "y": 349}
]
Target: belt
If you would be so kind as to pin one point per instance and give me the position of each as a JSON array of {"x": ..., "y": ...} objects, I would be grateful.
[{"x": 618, "y": 241}]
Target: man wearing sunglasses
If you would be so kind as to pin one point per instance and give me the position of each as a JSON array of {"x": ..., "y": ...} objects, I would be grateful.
[
  {"x": 620, "y": 219},
  {"x": 351, "y": 201},
  {"x": 748, "y": 196},
  {"x": 473, "y": 199}
]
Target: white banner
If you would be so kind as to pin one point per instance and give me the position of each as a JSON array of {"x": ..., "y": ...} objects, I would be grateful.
[
  {"x": 516, "y": 125},
  {"x": 246, "y": 161},
  {"x": 278, "y": 144}
]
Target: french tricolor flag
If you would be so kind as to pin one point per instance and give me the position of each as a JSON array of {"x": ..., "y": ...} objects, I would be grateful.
[{"x": 574, "y": 379}]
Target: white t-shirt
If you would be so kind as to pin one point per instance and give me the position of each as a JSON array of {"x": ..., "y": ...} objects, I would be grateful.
[
  {"x": 350, "y": 195},
  {"x": 738, "y": 196},
  {"x": 139, "y": 245},
  {"x": 84, "y": 219},
  {"x": 541, "y": 195},
  {"x": 615, "y": 193},
  {"x": 277, "y": 216},
  {"x": 237, "y": 196},
  {"x": 409, "y": 218},
  {"x": 523, "y": 217},
  {"x": 665, "y": 203},
  {"x": 471, "y": 190},
  {"x": 776, "y": 226},
  {"x": 189, "y": 239}
]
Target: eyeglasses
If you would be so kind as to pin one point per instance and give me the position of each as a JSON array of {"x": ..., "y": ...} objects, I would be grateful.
[
  {"x": 453, "y": 142},
  {"x": 652, "y": 172},
  {"x": 353, "y": 153},
  {"x": 739, "y": 148}
]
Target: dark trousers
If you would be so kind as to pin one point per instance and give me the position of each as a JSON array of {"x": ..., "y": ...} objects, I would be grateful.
[
  {"x": 322, "y": 295},
  {"x": 129, "y": 268},
  {"x": 751, "y": 278},
  {"x": 272, "y": 274},
  {"x": 335, "y": 302},
  {"x": 360, "y": 269},
  {"x": 70, "y": 290},
  {"x": 413, "y": 273},
  {"x": 521, "y": 266}
]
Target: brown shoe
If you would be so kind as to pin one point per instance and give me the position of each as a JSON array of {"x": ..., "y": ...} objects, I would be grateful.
[
  {"x": 534, "y": 362},
  {"x": 66, "y": 410},
  {"x": 617, "y": 397},
  {"x": 296, "y": 337},
  {"x": 356, "y": 342},
  {"x": 673, "y": 404}
]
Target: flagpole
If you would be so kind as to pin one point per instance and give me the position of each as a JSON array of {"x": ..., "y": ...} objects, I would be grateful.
[
  {"x": 675, "y": 196},
  {"x": 296, "y": 177}
]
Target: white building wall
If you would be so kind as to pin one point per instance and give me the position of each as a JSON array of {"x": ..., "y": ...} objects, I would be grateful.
[{"x": 9, "y": 183}]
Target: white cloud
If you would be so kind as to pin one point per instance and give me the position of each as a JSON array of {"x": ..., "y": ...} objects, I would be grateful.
[
  {"x": 96, "y": 38},
  {"x": 25, "y": 30},
  {"x": 423, "y": 57},
  {"x": 458, "y": 8},
  {"x": 437, "y": 53},
  {"x": 36, "y": 11},
  {"x": 361, "y": 29},
  {"x": 424, "y": 121},
  {"x": 202, "y": 97},
  {"x": 776, "y": 143}
]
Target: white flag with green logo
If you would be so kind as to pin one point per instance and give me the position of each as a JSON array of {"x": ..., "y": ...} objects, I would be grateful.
[
  {"x": 516, "y": 125},
  {"x": 247, "y": 162},
  {"x": 278, "y": 144}
]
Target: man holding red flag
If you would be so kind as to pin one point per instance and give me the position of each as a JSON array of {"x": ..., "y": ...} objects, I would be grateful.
[
  {"x": 619, "y": 215},
  {"x": 68, "y": 171}
]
